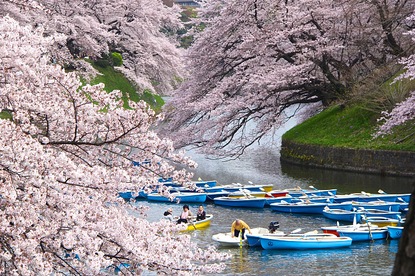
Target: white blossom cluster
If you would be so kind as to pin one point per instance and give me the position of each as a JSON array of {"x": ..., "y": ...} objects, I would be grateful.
[{"x": 66, "y": 150}]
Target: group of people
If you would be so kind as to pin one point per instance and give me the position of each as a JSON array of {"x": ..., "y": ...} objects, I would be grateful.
[
  {"x": 186, "y": 214},
  {"x": 238, "y": 226}
]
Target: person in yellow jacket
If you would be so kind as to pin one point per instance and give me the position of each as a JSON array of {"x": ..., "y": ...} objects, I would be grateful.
[{"x": 239, "y": 226}]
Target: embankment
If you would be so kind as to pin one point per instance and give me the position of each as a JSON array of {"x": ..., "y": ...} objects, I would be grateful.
[{"x": 386, "y": 162}]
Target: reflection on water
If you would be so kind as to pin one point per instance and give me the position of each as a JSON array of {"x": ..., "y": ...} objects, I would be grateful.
[{"x": 348, "y": 182}]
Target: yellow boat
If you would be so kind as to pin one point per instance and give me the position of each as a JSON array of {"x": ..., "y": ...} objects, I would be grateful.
[
  {"x": 381, "y": 221},
  {"x": 197, "y": 225},
  {"x": 268, "y": 188}
]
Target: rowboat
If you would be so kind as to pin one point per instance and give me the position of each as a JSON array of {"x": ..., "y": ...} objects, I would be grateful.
[
  {"x": 205, "y": 184},
  {"x": 276, "y": 193},
  {"x": 281, "y": 199},
  {"x": 304, "y": 242},
  {"x": 235, "y": 187},
  {"x": 300, "y": 207},
  {"x": 182, "y": 197},
  {"x": 226, "y": 239},
  {"x": 254, "y": 240},
  {"x": 342, "y": 215},
  {"x": 364, "y": 235},
  {"x": 127, "y": 195},
  {"x": 381, "y": 221},
  {"x": 379, "y": 205},
  {"x": 343, "y": 198},
  {"x": 297, "y": 192},
  {"x": 395, "y": 232},
  {"x": 247, "y": 193},
  {"x": 380, "y": 213},
  {"x": 318, "y": 199},
  {"x": 366, "y": 197},
  {"x": 333, "y": 229},
  {"x": 346, "y": 205},
  {"x": 249, "y": 202},
  {"x": 201, "y": 224},
  {"x": 212, "y": 195}
]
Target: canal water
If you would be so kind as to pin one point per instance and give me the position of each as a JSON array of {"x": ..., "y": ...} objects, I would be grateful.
[{"x": 262, "y": 166}]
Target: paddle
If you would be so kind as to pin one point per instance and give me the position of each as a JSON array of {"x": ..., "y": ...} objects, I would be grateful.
[
  {"x": 295, "y": 231},
  {"x": 381, "y": 192},
  {"x": 240, "y": 239},
  {"x": 370, "y": 231},
  {"x": 312, "y": 187},
  {"x": 190, "y": 220}
]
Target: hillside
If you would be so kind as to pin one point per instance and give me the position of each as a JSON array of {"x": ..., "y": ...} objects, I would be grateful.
[{"x": 350, "y": 127}]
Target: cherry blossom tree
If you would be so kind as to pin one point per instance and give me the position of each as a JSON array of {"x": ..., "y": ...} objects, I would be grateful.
[
  {"x": 141, "y": 30},
  {"x": 405, "y": 110},
  {"x": 65, "y": 152},
  {"x": 258, "y": 58}
]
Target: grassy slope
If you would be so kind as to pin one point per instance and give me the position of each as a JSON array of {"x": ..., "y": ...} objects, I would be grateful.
[
  {"x": 349, "y": 127},
  {"x": 115, "y": 80}
]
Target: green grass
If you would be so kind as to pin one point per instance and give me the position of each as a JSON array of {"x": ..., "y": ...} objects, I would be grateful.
[
  {"x": 350, "y": 127},
  {"x": 114, "y": 80},
  {"x": 5, "y": 115}
]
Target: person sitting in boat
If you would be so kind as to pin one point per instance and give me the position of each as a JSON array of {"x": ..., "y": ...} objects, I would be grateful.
[
  {"x": 185, "y": 215},
  {"x": 168, "y": 214},
  {"x": 201, "y": 214},
  {"x": 239, "y": 226}
]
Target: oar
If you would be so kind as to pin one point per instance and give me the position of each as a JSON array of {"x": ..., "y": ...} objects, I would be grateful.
[
  {"x": 370, "y": 231},
  {"x": 240, "y": 239},
  {"x": 312, "y": 187},
  {"x": 295, "y": 231},
  {"x": 192, "y": 223},
  {"x": 381, "y": 192}
]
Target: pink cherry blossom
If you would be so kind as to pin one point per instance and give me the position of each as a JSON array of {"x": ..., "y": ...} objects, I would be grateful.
[{"x": 64, "y": 156}]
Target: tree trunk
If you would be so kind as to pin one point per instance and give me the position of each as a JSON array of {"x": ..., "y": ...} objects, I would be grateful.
[{"x": 405, "y": 258}]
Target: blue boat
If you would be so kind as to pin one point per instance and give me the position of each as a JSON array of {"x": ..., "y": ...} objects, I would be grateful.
[
  {"x": 379, "y": 205},
  {"x": 395, "y": 232},
  {"x": 249, "y": 202},
  {"x": 213, "y": 189},
  {"x": 127, "y": 195},
  {"x": 346, "y": 205},
  {"x": 182, "y": 197},
  {"x": 236, "y": 187},
  {"x": 364, "y": 235},
  {"x": 403, "y": 197},
  {"x": 329, "y": 192},
  {"x": 212, "y": 195},
  {"x": 300, "y": 207},
  {"x": 366, "y": 197},
  {"x": 380, "y": 213},
  {"x": 342, "y": 215},
  {"x": 318, "y": 199},
  {"x": 344, "y": 198},
  {"x": 381, "y": 221},
  {"x": 297, "y": 192},
  {"x": 304, "y": 242},
  {"x": 281, "y": 199}
]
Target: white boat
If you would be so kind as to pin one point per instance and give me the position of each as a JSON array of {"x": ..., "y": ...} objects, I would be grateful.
[
  {"x": 333, "y": 229},
  {"x": 226, "y": 239}
]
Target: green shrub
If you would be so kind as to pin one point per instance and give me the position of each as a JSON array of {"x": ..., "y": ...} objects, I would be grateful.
[{"x": 116, "y": 59}]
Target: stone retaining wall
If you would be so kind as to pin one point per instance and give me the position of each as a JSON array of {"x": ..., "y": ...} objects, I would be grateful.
[{"x": 385, "y": 162}]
